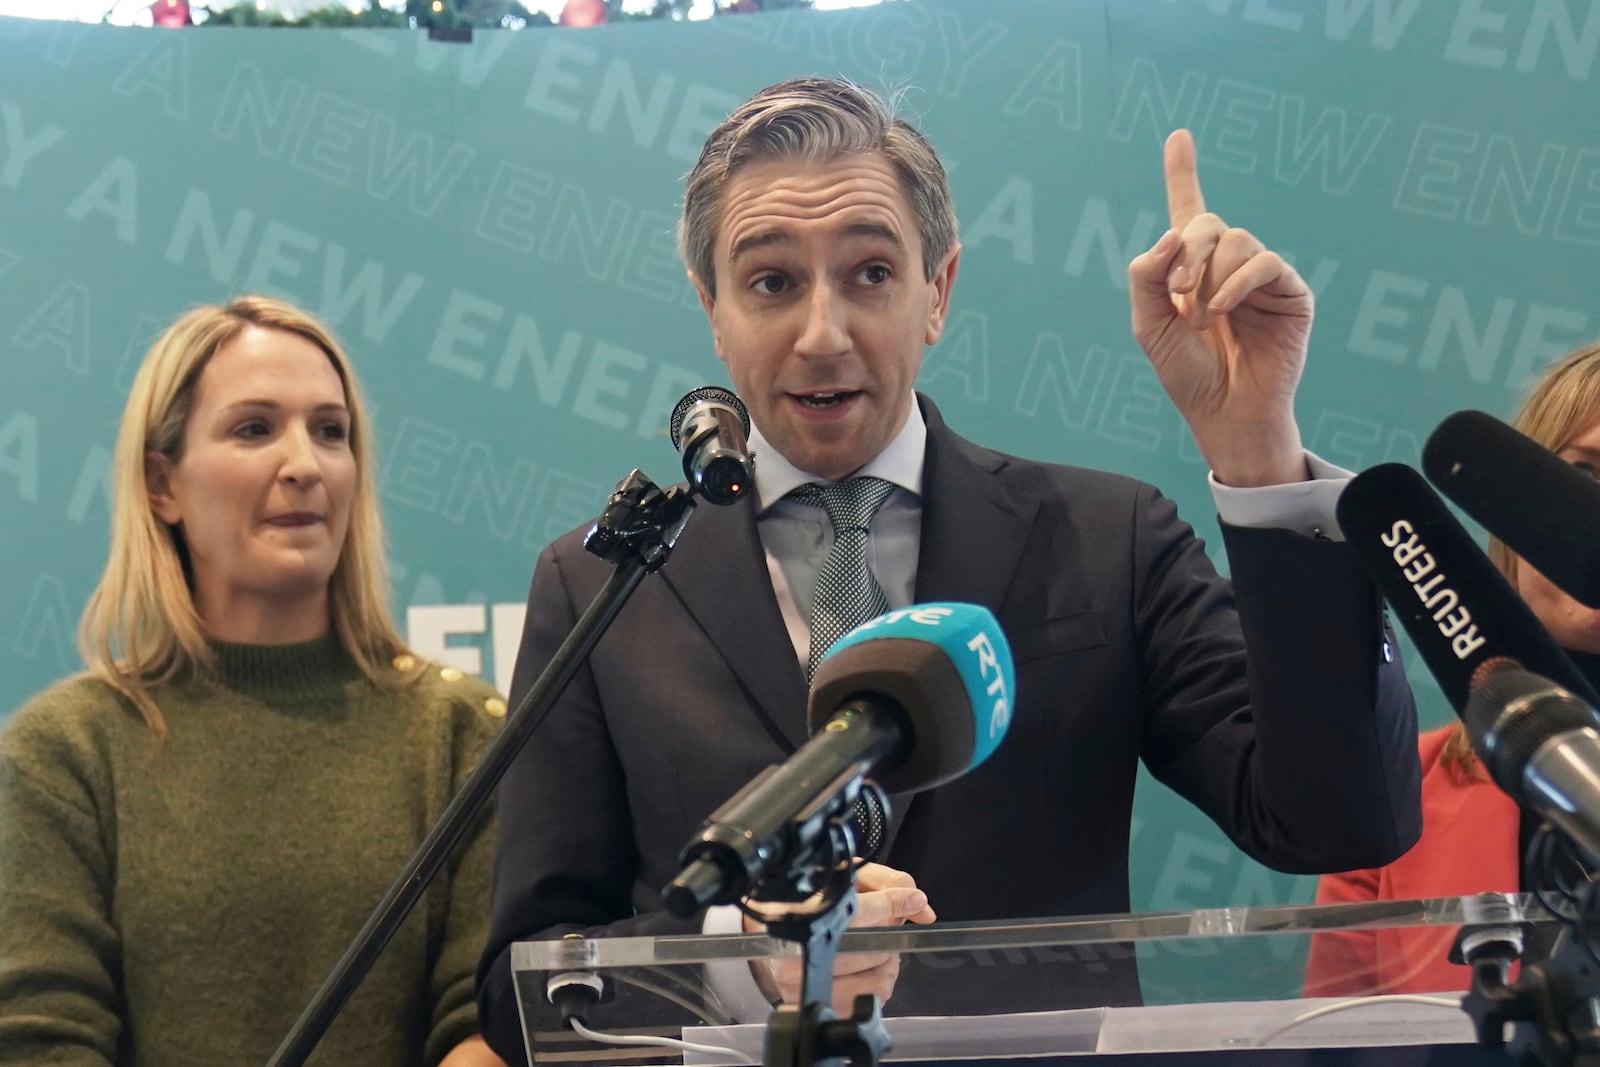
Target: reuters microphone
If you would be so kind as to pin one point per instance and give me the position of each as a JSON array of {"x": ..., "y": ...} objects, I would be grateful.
[
  {"x": 916, "y": 697},
  {"x": 1458, "y": 609}
]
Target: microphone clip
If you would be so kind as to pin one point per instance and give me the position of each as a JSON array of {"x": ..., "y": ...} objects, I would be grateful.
[
  {"x": 640, "y": 523},
  {"x": 823, "y": 868},
  {"x": 806, "y": 890}
]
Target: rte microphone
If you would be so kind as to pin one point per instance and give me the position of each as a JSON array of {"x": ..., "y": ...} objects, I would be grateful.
[
  {"x": 917, "y": 696},
  {"x": 1459, "y": 611},
  {"x": 1541, "y": 744},
  {"x": 1543, "y": 508},
  {"x": 711, "y": 427}
]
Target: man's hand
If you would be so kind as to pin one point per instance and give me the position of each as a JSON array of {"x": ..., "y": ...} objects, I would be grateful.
[
  {"x": 884, "y": 897},
  {"x": 1226, "y": 323},
  {"x": 473, "y": 1052}
]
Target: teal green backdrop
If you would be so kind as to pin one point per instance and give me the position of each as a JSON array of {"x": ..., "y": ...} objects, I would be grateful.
[{"x": 489, "y": 228}]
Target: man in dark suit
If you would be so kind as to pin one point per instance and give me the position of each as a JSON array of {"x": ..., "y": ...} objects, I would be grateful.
[{"x": 819, "y": 234}]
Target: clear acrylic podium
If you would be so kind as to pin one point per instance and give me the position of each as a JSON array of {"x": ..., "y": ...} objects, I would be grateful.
[{"x": 1214, "y": 987}]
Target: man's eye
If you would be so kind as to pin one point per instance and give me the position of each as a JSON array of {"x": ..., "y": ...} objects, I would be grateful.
[
  {"x": 768, "y": 283},
  {"x": 876, "y": 274}
]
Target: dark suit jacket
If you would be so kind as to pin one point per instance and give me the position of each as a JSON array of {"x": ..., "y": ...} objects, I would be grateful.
[{"x": 1127, "y": 646}]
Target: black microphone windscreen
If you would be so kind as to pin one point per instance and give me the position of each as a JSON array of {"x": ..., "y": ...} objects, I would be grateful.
[
  {"x": 929, "y": 690},
  {"x": 1458, "y": 609},
  {"x": 1546, "y": 510}
]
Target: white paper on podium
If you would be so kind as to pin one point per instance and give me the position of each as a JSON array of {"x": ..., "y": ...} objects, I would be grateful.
[
  {"x": 1161, "y": 1028},
  {"x": 937, "y": 1037},
  {"x": 1245, "y": 1024}
]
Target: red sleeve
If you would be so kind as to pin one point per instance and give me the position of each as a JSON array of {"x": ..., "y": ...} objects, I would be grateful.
[{"x": 1344, "y": 964}]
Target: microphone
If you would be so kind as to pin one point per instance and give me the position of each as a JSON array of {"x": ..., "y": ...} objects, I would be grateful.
[
  {"x": 711, "y": 427},
  {"x": 1543, "y": 508},
  {"x": 1458, "y": 609},
  {"x": 1540, "y": 744},
  {"x": 918, "y": 696}
]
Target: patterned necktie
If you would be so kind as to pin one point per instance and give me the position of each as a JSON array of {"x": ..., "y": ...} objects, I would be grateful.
[{"x": 847, "y": 594}]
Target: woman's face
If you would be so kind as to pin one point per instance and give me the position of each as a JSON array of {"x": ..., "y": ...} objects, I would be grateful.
[
  {"x": 1572, "y": 624},
  {"x": 262, "y": 488}
]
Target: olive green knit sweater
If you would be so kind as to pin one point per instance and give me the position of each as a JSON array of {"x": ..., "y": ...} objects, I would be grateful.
[{"x": 178, "y": 903}]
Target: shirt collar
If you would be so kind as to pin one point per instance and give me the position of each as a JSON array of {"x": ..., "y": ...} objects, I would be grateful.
[{"x": 899, "y": 463}]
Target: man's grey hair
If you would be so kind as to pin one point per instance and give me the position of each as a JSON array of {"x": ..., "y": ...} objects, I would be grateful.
[{"x": 813, "y": 120}]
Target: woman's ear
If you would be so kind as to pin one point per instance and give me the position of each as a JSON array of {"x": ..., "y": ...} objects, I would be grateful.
[{"x": 158, "y": 483}]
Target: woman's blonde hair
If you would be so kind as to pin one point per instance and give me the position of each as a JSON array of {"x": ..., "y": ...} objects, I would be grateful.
[
  {"x": 1562, "y": 404},
  {"x": 140, "y": 627}
]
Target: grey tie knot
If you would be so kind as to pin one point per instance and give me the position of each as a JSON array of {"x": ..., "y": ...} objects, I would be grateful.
[{"x": 850, "y": 504}]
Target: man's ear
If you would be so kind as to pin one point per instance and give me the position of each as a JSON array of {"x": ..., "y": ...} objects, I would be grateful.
[
  {"x": 709, "y": 302},
  {"x": 944, "y": 280},
  {"x": 158, "y": 483}
]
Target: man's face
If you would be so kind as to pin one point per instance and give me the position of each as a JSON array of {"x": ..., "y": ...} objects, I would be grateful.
[{"x": 822, "y": 311}]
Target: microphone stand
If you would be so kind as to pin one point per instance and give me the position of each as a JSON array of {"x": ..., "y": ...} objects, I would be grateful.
[
  {"x": 1553, "y": 1006},
  {"x": 636, "y": 533},
  {"x": 812, "y": 1034}
]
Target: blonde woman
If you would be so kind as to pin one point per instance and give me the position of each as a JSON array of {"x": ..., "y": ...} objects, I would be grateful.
[
  {"x": 1473, "y": 835},
  {"x": 192, "y": 831}
]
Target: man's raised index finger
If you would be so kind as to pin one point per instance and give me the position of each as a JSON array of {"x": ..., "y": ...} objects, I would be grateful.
[{"x": 1184, "y": 199}]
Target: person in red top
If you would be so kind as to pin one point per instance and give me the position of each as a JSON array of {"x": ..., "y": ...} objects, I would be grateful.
[{"x": 1473, "y": 835}]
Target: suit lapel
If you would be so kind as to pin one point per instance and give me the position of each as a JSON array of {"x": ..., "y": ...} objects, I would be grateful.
[
  {"x": 974, "y": 525},
  {"x": 719, "y": 573},
  {"x": 973, "y": 531}
]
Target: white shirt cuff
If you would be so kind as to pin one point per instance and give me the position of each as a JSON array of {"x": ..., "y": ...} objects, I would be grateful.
[
  {"x": 730, "y": 981},
  {"x": 1306, "y": 507}
]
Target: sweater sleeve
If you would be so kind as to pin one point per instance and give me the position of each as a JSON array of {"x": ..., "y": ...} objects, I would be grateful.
[
  {"x": 60, "y": 951},
  {"x": 466, "y": 912}
]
